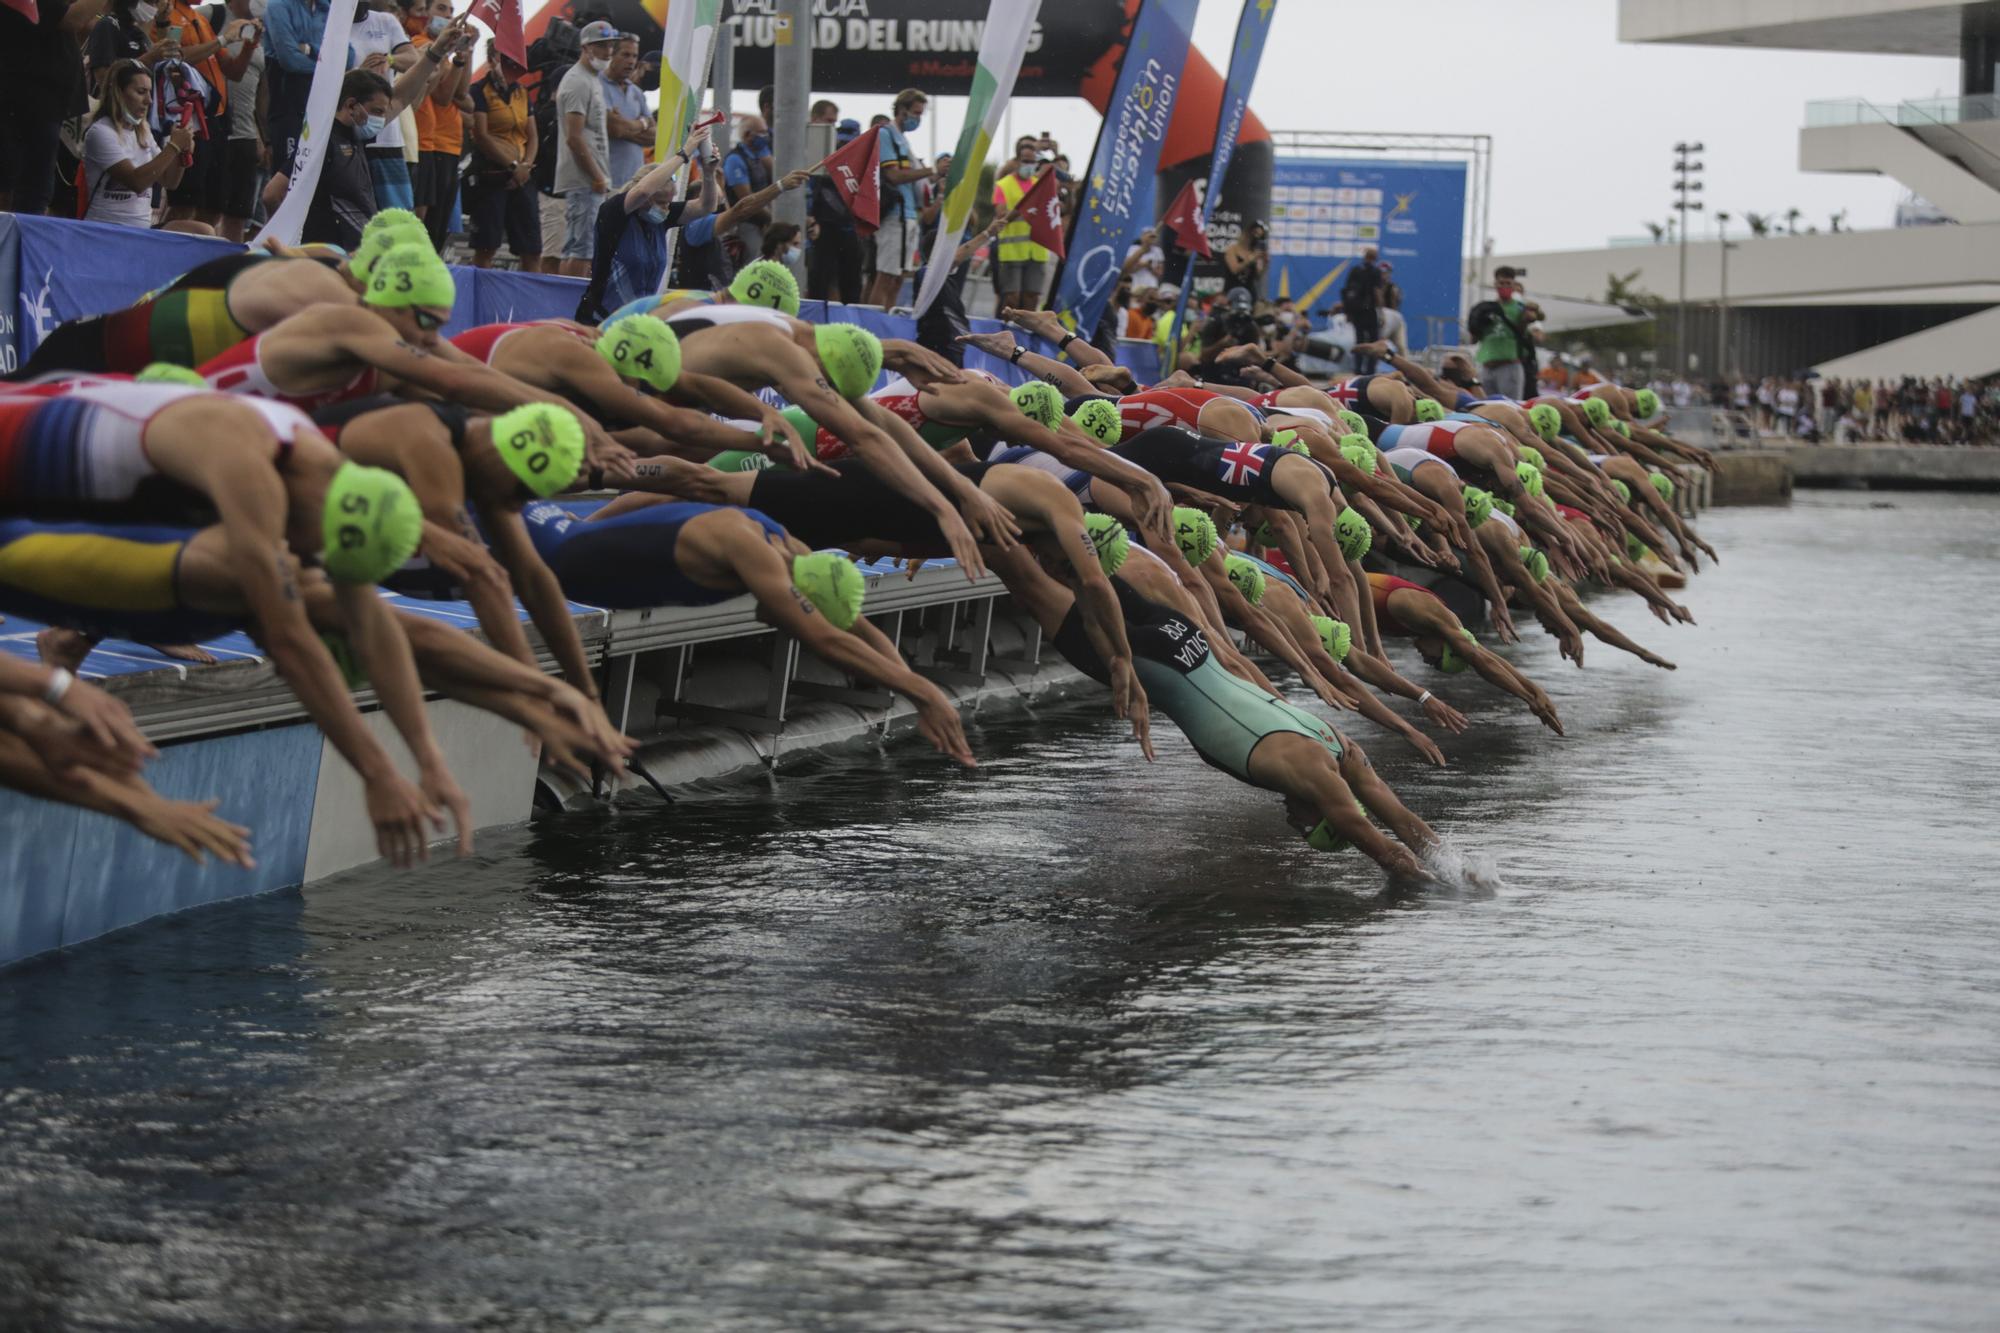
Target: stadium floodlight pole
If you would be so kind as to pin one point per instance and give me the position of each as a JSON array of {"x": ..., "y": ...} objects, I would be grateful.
[
  {"x": 1686, "y": 182},
  {"x": 794, "y": 90}
]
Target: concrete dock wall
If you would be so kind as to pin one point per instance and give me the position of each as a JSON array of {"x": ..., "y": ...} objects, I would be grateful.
[{"x": 1893, "y": 465}]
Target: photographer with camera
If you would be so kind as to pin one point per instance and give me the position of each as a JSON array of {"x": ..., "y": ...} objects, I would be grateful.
[{"x": 1245, "y": 262}]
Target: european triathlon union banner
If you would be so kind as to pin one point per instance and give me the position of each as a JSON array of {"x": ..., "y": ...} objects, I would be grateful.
[
  {"x": 1119, "y": 187},
  {"x": 1325, "y": 212}
]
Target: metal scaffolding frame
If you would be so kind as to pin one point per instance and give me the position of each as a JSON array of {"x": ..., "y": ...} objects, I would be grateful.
[{"x": 1475, "y": 150}]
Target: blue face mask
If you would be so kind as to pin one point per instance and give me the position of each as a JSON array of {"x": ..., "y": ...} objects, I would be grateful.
[
  {"x": 657, "y": 216},
  {"x": 369, "y": 128},
  {"x": 435, "y": 26},
  {"x": 908, "y": 124}
]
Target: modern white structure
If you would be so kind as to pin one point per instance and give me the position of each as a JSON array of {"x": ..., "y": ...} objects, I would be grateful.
[{"x": 1912, "y": 300}]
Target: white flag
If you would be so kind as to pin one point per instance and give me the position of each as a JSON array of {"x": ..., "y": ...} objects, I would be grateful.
[
  {"x": 324, "y": 99},
  {"x": 1008, "y": 26}
]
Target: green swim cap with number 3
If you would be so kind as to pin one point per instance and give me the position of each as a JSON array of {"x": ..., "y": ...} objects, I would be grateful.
[{"x": 1353, "y": 534}]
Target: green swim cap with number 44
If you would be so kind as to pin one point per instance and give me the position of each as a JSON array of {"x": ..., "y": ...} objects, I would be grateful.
[
  {"x": 1353, "y": 534},
  {"x": 1194, "y": 533},
  {"x": 643, "y": 348},
  {"x": 831, "y": 582},
  {"x": 768, "y": 283},
  {"x": 370, "y": 524},
  {"x": 542, "y": 445},
  {"x": 1109, "y": 539},
  {"x": 1099, "y": 420}
]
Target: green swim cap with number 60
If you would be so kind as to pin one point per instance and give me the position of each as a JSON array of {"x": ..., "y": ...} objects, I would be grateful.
[
  {"x": 1597, "y": 410},
  {"x": 850, "y": 355},
  {"x": 1109, "y": 539},
  {"x": 1099, "y": 420},
  {"x": 1352, "y": 421},
  {"x": 1545, "y": 419},
  {"x": 1039, "y": 402},
  {"x": 766, "y": 282},
  {"x": 166, "y": 372},
  {"x": 1335, "y": 636},
  {"x": 1452, "y": 662},
  {"x": 1249, "y": 579},
  {"x": 832, "y": 583},
  {"x": 1478, "y": 506},
  {"x": 410, "y": 275},
  {"x": 1194, "y": 533},
  {"x": 1662, "y": 483},
  {"x": 542, "y": 444},
  {"x": 370, "y": 524},
  {"x": 1351, "y": 530},
  {"x": 1428, "y": 410},
  {"x": 644, "y": 348},
  {"x": 1647, "y": 403},
  {"x": 1531, "y": 477}
]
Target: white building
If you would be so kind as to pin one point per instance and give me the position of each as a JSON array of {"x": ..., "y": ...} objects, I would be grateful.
[{"x": 1910, "y": 300}]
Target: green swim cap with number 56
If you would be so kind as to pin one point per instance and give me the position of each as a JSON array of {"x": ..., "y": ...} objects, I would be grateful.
[
  {"x": 768, "y": 283},
  {"x": 832, "y": 583},
  {"x": 1194, "y": 533},
  {"x": 644, "y": 348},
  {"x": 370, "y": 524},
  {"x": 542, "y": 444}
]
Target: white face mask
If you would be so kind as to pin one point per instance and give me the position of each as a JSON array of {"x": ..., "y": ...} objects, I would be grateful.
[
  {"x": 145, "y": 13},
  {"x": 594, "y": 65}
]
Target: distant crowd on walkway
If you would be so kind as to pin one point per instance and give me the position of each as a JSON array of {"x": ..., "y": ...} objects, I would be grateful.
[{"x": 1912, "y": 410}]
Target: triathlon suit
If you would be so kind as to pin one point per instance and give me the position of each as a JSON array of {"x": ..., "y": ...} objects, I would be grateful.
[
  {"x": 84, "y": 453},
  {"x": 652, "y": 305},
  {"x": 1405, "y": 460},
  {"x": 1020, "y": 455},
  {"x": 853, "y": 506},
  {"x": 187, "y": 322},
  {"x": 1223, "y": 716},
  {"x": 1235, "y": 471},
  {"x": 1381, "y": 585},
  {"x": 690, "y": 322},
  {"x": 109, "y": 580},
  {"x": 418, "y": 577},
  {"x": 626, "y": 562},
  {"x": 1164, "y": 407},
  {"x": 240, "y": 370},
  {"x": 1353, "y": 393},
  {"x": 1438, "y": 438}
]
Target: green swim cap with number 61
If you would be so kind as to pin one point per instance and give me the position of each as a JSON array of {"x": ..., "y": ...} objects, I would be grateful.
[
  {"x": 1039, "y": 402},
  {"x": 832, "y": 583},
  {"x": 1335, "y": 636},
  {"x": 1353, "y": 534},
  {"x": 850, "y": 355},
  {"x": 1249, "y": 579},
  {"x": 643, "y": 347},
  {"x": 1099, "y": 420},
  {"x": 766, "y": 282},
  {"x": 1428, "y": 410},
  {"x": 370, "y": 524},
  {"x": 410, "y": 275},
  {"x": 1109, "y": 539},
  {"x": 542, "y": 444},
  {"x": 1194, "y": 533},
  {"x": 1545, "y": 419}
]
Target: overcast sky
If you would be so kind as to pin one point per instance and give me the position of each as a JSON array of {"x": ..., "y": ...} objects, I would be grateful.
[{"x": 1509, "y": 68}]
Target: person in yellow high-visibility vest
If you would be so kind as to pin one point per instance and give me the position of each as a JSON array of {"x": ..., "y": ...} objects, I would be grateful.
[{"x": 1024, "y": 266}]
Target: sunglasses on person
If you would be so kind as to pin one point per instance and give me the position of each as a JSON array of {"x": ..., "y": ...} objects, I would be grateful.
[{"x": 427, "y": 321}]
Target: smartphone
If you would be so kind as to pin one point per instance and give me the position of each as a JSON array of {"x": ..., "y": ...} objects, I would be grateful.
[{"x": 174, "y": 34}]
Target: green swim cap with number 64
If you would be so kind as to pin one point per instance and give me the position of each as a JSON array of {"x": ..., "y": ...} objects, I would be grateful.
[
  {"x": 644, "y": 348},
  {"x": 370, "y": 524}
]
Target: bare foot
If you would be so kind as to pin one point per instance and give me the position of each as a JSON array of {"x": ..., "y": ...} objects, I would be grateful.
[
  {"x": 64, "y": 648},
  {"x": 185, "y": 652}
]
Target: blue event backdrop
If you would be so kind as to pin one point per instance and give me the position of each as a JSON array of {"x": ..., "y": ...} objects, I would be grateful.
[
  {"x": 1326, "y": 211},
  {"x": 56, "y": 269}
]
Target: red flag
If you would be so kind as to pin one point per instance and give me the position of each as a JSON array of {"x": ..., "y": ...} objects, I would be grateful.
[
  {"x": 855, "y": 172},
  {"x": 1041, "y": 209},
  {"x": 503, "y": 17},
  {"x": 27, "y": 9},
  {"x": 1185, "y": 221}
]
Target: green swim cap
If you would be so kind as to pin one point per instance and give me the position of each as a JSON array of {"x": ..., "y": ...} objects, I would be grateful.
[
  {"x": 830, "y": 582},
  {"x": 1335, "y": 636},
  {"x": 1531, "y": 477},
  {"x": 1624, "y": 491},
  {"x": 1353, "y": 533},
  {"x": 1647, "y": 404},
  {"x": 1534, "y": 455},
  {"x": 371, "y": 524},
  {"x": 1450, "y": 662},
  {"x": 1362, "y": 456},
  {"x": 1662, "y": 483},
  {"x": 386, "y": 219},
  {"x": 1110, "y": 540},
  {"x": 166, "y": 372},
  {"x": 1537, "y": 563},
  {"x": 542, "y": 444},
  {"x": 1545, "y": 419},
  {"x": 1264, "y": 537},
  {"x": 643, "y": 347},
  {"x": 1289, "y": 439},
  {"x": 1635, "y": 548},
  {"x": 410, "y": 275},
  {"x": 850, "y": 355},
  {"x": 1502, "y": 505},
  {"x": 1039, "y": 402},
  {"x": 1478, "y": 505},
  {"x": 1428, "y": 410},
  {"x": 1597, "y": 410},
  {"x": 378, "y": 243},
  {"x": 1353, "y": 421},
  {"x": 1324, "y": 839},
  {"x": 1623, "y": 428},
  {"x": 766, "y": 282},
  {"x": 1249, "y": 579},
  {"x": 1099, "y": 420},
  {"x": 1194, "y": 533}
]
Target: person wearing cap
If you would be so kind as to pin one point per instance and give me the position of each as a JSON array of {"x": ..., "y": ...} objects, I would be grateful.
[
  {"x": 826, "y": 371},
  {"x": 284, "y": 495},
  {"x": 1412, "y": 611},
  {"x": 583, "y": 146},
  {"x": 629, "y": 257},
  {"x": 833, "y": 259},
  {"x": 327, "y": 354},
  {"x": 626, "y": 375},
  {"x": 761, "y": 282},
  {"x": 644, "y": 551},
  {"x": 902, "y": 171}
]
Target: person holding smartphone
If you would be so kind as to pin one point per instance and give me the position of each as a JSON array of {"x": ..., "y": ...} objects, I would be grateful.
[{"x": 199, "y": 196}]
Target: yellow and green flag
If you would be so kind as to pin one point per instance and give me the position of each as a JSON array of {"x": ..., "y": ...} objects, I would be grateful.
[{"x": 689, "y": 28}]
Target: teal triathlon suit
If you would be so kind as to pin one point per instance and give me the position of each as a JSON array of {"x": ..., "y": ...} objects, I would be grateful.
[
  {"x": 1223, "y": 716},
  {"x": 627, "y": 562},
  {"x": 111, "y": 580},
  {"x": 1239, "y": 471}
]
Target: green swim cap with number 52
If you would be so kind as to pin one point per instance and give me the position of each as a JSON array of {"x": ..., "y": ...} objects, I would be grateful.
[
  {"x": 370, "y": 524},
  {"x": 643, "y": 348},
  {"x": 1039, "y": 402}
]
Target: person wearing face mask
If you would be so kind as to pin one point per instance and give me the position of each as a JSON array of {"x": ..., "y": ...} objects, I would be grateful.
[
  {"x": 121, "y": 161},
  {"x": 440, "y": 119},
  {"x": 379, "y": 44},
  {"x": 1501, "y": 327},
  {"x": 583, "y": 152},
  {"x": 630, "y": 245},
  {"x": 896, "y": 238},
  {"x": 1024, "y": 266}
]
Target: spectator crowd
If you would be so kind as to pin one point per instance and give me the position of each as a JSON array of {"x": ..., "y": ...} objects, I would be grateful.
[{"x": 1909, "y": 410}]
